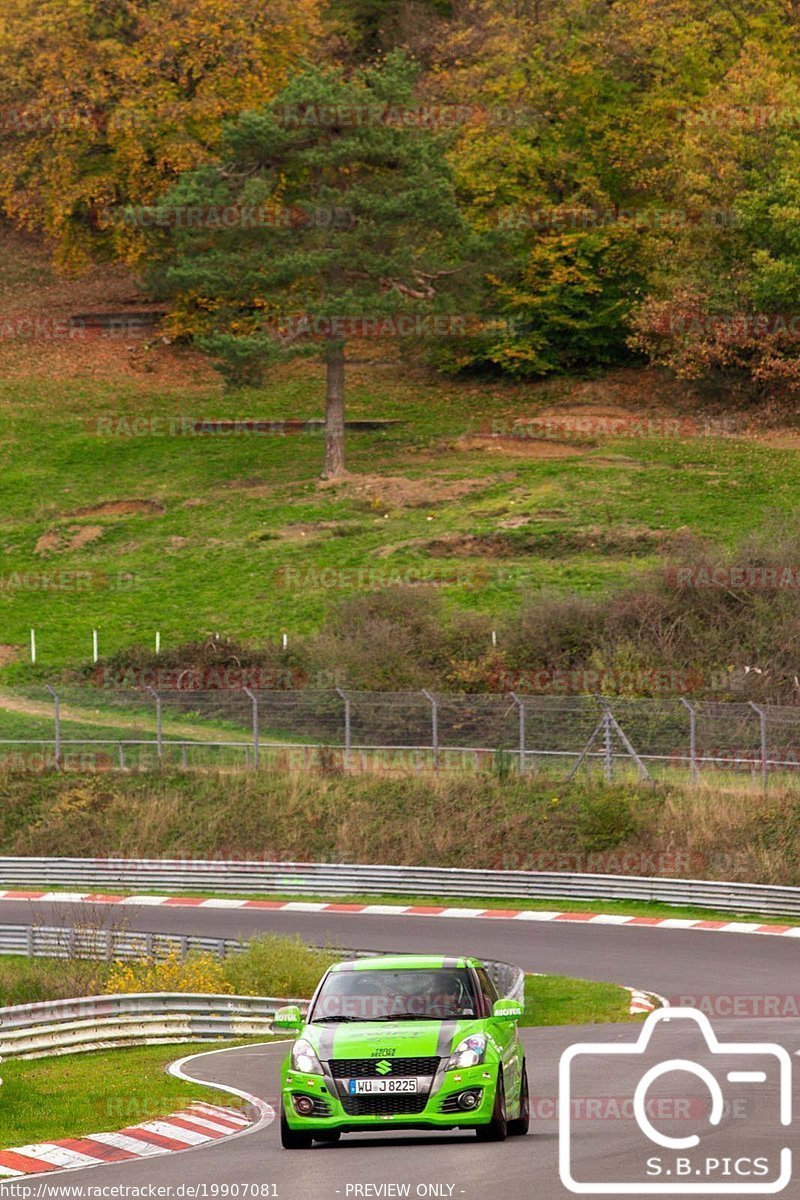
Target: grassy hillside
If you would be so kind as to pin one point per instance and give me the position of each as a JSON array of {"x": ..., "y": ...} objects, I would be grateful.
[
  {"x": 116, "y": 516},
  {"x": 463, "y": 821}
]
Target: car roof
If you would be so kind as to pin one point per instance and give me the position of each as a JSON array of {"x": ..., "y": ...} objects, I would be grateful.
[{"x": 404, "y": 962}]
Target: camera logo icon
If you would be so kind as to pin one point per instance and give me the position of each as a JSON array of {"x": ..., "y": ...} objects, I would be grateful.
[{"x": 659, "y": 1161}]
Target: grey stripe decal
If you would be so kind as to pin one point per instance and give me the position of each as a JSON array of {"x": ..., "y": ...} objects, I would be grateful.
[
  {"x": 446, "y": 1035},
  {"x": 326, "y": 1039}
]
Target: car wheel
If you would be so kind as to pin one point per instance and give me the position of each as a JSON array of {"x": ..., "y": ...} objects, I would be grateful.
[
  {"x": 293, "y": 1139},
  {"x": 497, "y": 1128},
  {"x": 521, "y": 1124},
  {"x": 322, "y": 1136}
]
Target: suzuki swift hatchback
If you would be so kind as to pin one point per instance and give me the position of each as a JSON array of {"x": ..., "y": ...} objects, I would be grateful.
[{"x": 404, "y": 1042}]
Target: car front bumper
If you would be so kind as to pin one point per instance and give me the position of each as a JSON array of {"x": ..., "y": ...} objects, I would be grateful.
[{"x": 441, "y": 1109}]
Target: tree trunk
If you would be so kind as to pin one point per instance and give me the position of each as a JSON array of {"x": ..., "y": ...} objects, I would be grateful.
[{"x": 334, "y": 414}]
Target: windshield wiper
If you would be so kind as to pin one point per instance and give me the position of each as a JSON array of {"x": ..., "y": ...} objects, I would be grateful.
[
  {"x": 409, "y": 1017},
  {"x": 331, "y": 1020}
]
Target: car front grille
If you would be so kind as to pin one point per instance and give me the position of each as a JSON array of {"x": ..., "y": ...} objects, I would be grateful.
[
  {"x": 383, "y": 1106},
  {"x": 365, "y": 1068}
]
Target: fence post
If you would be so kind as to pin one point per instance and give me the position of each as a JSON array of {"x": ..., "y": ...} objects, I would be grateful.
[
  {"x": 762, "y": 722},
  {"x": 521, "y": 706},
  {"x": 692, "y": 737},
  {"x": 608, "y": 755},
  {"x": 343, "y": 696},
  {"x": 254, "y": 699},
  {"x": 57, "y": 722},
  {"x": 434, "y": 727},
  {"x": 159, "y": 740}
]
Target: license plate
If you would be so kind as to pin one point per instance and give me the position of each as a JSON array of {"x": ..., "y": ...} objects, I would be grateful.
[{"x": 358, "y": 1087}]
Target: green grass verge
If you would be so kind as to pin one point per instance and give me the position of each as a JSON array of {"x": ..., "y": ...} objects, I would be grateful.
[
  {"x": 69, "y": 1096},
  {"x": 561, "y": 1000}
]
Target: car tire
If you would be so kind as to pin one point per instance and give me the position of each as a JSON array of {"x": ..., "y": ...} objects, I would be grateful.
[
  {"x": 521, "y": 1124},
  {"x": 331, "y": 1137},
  {"x": 497, "y": 1129},
  {"x": 293, "y": 1139}
]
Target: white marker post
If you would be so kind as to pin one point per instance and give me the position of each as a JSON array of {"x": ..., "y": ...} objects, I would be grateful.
[
  {"x": 33, "y": 645},
  {"x": 94, "y": 645},
  {"x": 285, "y": 640},
  {"x": 158, "y": 641}
]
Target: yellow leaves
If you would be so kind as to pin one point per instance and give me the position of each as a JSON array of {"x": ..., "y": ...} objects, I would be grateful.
[
  {"x": 117, "y": 107},
  {"x": 194, "y": 973}
]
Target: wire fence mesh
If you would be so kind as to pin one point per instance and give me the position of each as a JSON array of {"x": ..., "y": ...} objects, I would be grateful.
[{"x": 90, "y": 728}]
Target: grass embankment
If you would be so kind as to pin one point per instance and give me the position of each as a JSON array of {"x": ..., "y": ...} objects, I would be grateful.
[
  {"x": 92, "y": 1093},
  {"x": 560, "y": 1000},
  {"x": 192, "y": 534},
  {"x": 453, "y": 821}
]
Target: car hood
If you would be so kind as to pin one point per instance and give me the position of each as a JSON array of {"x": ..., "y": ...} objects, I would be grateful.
[{"x": 391, "y": 1039}]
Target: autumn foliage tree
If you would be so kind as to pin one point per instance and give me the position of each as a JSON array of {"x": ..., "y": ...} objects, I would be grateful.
[{"x": 104, "y": 102}]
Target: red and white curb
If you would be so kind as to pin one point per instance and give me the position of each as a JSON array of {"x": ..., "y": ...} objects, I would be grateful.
[
  {"x": 645, "y": 1002},
  {"x": 193, "y": 1126},
  {"x": 410, "y": 910}
]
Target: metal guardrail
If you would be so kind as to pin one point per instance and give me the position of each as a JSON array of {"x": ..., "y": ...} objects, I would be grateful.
[
  {"x": 337, "y": 879},
  {"x": 95, "y": 1022},
  {"x": 45, "y": 941}
]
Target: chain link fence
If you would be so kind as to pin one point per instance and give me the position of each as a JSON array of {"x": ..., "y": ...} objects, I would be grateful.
[{"x": 88, "y": 728}]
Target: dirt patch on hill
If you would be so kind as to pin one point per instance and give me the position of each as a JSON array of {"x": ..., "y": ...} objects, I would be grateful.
[
  {"x": 9, "y": 653},
  {"x": 121, "y": 508},
  {"x": 61, "y": 541},
  {"x": 625, "y": 541},
  {"x": 520, "y": 445},
  {"x": 399, "y": 491}
]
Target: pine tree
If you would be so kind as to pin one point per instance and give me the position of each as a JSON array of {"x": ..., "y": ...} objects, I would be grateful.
[{"x": 348, "y": 222}]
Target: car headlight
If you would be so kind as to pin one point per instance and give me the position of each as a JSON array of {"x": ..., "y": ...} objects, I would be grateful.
[
  {"x": 468, "y": 1053},
  {"x": 304, "y": 1058}
]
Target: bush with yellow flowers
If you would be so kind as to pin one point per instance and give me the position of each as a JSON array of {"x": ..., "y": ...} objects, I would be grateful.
[{"x": 194, "y": 972}]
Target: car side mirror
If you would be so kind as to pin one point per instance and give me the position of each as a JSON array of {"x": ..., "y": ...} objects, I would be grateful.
[
  {"x": 288, "y": 1020},
  {"x": 507, "y": 1010}
]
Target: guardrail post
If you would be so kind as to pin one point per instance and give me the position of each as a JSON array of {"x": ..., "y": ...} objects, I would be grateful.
[
  {"x": 159, "y": 740},
  {"x": 57, "y": 723},
  {"x": 434, "y": 727},
  {"x": 692, "y": 737},
  {"x": 254, "y": 699},
  {"x": 344, "y": 697},
  {"x": 521, "y": 706},
  {"x": 762, "y": 724}
]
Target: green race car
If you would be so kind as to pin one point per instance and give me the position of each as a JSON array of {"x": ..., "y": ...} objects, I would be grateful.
[{"x": 405, "y": 1042}]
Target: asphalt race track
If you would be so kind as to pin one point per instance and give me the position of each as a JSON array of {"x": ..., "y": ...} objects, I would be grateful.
[{"x": 741, "y": 1152}]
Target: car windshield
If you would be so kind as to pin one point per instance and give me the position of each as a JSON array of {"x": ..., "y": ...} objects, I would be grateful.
[{"x": 383, "y": 995}]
